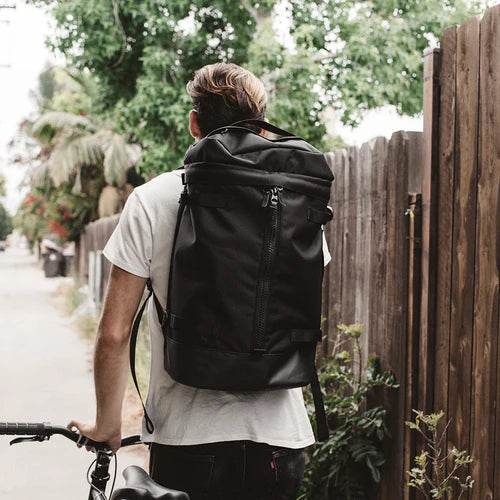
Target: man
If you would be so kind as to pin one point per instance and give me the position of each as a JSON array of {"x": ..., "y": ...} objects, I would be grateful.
[{"x": 211, "y": 444}]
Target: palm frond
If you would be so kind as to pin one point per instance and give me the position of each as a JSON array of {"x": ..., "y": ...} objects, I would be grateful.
[
  {"x": 72, "y": 153},
  {"x": 134, "y": 152},
  {"x": 118, "y": 157},
  {"x": 39, "y": 174},
  {"x": 57, "y": 120}
]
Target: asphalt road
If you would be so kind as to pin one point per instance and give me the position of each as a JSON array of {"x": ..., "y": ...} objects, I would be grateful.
[{"x": 44, "y": 377}]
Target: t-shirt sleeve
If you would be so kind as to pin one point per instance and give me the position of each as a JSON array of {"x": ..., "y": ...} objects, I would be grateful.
[
  {"x": 326, "y": 253},
  {"x": 130, "y": 246}
]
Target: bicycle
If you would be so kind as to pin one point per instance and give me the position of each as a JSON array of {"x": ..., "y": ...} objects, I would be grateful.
[{"x": 139, "y": 485}]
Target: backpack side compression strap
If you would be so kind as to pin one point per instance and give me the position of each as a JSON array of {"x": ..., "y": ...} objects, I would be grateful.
[
  {"x": 133, "y": 341},
  {"x": 319, "y": 407}
]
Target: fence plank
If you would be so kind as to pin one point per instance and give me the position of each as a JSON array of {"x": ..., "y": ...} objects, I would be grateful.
[
  {"x": 394, "y": 357},
  {"x": 363, "y": 246},
  {"x": 377, "y": 300},
  {"x": 429, "y": 191},
  {"x": 82, "y": 271},
  {"x": 448, "y": 46},
  {"x": 414, "y": 220},
  {"x": 349, "y": 251},
  {"x": 462, "y": 292},
  {"x": 490, "y": 158},
  {"x": 336, "y": 243},
  {"x": 486, "y": 293}
]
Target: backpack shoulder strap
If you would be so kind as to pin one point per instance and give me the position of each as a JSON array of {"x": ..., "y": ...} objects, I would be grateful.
[{"x": 133, "y": 342}]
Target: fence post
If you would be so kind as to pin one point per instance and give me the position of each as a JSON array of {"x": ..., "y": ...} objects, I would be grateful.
[{"x": 413, "y": 328}]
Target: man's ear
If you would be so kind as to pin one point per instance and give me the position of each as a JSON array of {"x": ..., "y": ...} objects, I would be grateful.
[{"x": 194, "y": 127}]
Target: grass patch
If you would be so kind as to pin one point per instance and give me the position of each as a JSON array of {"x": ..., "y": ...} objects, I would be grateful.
[{"x": 87, "y": 325}]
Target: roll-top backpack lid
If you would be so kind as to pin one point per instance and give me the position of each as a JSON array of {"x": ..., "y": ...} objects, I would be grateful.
[{"x": 238, "y": 145}]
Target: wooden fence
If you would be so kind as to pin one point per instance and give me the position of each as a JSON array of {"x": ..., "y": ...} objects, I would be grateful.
[
  {"x": 461, "y": 303},
  {"x": 373, "y": 238},
  {"x": 90, "y": 265},
  {"x": 426, "y": 287}
]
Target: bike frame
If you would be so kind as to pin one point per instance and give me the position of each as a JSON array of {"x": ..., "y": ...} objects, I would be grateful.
[{"x": 100, "y": 476}]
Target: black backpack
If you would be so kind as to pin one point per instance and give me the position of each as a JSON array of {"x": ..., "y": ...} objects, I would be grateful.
[{"x": 244, "y": 294}]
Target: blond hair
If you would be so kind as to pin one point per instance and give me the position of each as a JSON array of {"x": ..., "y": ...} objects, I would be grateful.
[{"x": 223, "y": 93}]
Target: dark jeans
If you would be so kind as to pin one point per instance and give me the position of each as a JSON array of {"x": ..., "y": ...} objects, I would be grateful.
[{"x": 236, "y": 470}]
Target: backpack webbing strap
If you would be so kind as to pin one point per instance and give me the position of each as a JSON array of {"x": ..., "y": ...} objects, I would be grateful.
[
  {"x": 133, "y": 341},
  {"x": 319, "y": 407}
]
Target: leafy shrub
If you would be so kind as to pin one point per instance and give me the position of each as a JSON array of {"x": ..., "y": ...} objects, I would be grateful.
[{"x": 347, "y": 465}]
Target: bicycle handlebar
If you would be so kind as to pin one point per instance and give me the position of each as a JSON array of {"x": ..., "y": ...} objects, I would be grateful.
[{"x": 46, "y": 430}]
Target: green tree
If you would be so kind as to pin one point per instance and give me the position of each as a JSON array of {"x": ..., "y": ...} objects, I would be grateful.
[
  {"x": 5, "y": 223},
  {"x": 3, "y": 189},
  {"x": 352, "y": 56},
  {"x": 370, "y": 52}
]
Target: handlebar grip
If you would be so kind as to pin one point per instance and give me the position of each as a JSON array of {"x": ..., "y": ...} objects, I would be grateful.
[{"x": 25, "y": 429}]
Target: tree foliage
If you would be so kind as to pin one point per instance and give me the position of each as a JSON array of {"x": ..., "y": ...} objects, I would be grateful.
[
  {"x": 3, "y": 188},
  {"x": 370, "y": 53},
  {"x": 5, "y": 223},
  {"x": 352, "y": 56}
]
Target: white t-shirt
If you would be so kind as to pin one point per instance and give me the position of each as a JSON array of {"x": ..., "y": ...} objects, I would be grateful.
[{"x": 141, "y": 244}]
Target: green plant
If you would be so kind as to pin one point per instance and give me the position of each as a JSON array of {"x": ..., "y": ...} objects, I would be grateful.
[
  {"x": 5, "y": 223},
  {"x": 347, "y": 465},
  {"x": 436, "y": 483}
]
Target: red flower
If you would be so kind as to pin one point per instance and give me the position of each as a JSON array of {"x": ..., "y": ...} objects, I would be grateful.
[
  {"x": 29, "y": 200},
  {"x": 62, "y": 232}
]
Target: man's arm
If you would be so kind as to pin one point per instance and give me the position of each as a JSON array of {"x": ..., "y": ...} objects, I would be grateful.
[{"x": 111, "y": 363}]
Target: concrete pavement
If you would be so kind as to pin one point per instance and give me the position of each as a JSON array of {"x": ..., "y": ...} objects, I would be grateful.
[{"x": 44, "y": 377}]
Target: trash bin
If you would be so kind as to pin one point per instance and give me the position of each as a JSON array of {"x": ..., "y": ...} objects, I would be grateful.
[
  {"x": 52, "y": 264},
  {"x": 67, "y": 262}
]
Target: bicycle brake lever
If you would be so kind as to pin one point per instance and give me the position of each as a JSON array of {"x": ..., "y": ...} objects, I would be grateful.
[{"x": 32, "y": 438}]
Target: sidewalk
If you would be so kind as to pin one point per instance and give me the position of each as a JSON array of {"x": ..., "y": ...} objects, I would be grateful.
[{"x": 45, "y": 377}]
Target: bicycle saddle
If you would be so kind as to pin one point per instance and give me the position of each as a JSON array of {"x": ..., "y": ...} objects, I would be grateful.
[{"x": 139, "y": 486}]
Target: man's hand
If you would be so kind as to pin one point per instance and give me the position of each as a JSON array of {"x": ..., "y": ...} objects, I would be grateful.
[
  {"x": 112, "y": 437},
  {"x": 111, "y": 360}
]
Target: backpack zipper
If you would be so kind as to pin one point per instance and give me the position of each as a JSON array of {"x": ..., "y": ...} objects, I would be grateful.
[{"x": 272, "y": 201}]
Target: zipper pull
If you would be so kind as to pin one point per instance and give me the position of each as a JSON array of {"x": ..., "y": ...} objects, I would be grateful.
[
  {"x": 272, "y": 196},
  {"x": 267, "y": 196}
]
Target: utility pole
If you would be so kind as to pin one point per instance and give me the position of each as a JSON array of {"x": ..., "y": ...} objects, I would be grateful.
[{"x": 6, "y": 5}]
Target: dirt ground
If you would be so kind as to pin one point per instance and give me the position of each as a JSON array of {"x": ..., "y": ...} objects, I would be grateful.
[{"x": 45, "y": 374}]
